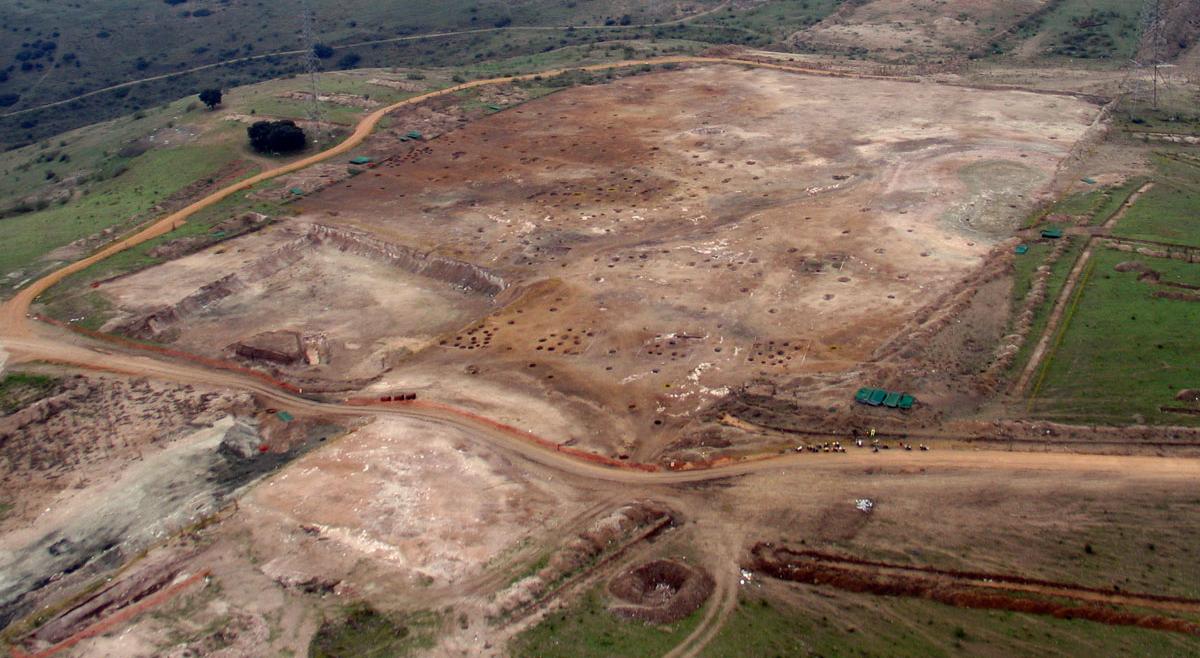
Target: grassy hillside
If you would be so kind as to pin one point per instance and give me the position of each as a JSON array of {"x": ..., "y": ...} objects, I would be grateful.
[
  {"x": 845, "y": 624},
  {"x": 57, "y": 51},
  {"x": 1103, "y": 30}
]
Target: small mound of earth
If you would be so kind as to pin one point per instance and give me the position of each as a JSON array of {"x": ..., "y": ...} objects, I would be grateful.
[{"x": 661, "y": 591}]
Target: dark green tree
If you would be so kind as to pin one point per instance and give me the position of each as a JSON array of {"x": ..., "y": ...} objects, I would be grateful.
[
  {"x": 210, "y": 97},
  {"x": 276, "y": 136}
]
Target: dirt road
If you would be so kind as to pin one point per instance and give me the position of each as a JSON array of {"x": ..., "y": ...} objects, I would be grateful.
[
  {"x": 25, "y": 339},
  {"x": 59, "y": 346}
]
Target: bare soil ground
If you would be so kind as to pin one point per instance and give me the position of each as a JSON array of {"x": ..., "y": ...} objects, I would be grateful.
[
  {"x": 365, "y": 315},
  {"x": 391, "y": 495},
  {"x": 671, "y": 236},
  {"x": 633, "y": 267},
  {"x": 97, "y": 471},
  {"x": 394, "y": 510},
  {"x": 658, "y": 240},
  {"x": 107, "y": 467}
]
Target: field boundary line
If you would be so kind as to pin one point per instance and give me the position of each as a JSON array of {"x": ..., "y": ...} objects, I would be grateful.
[{"x": 1061, "y": 331}]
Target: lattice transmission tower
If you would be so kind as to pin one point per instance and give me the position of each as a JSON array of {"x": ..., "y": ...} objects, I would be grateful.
[
  {"x": 312, "y": 67},
  {"x": 1153, "y": 45}
]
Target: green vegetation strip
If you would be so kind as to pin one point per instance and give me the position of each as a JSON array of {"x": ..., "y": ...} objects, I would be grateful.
[
  {"x": 842, "y": 624},
  {"x": 1061, "y": 330},
  {"x": 1026, "y": 267},
  {"x": 1098, "y": 205}
]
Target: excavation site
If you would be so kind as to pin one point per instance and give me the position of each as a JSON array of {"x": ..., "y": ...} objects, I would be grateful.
[{"x": 622, "y": 257}]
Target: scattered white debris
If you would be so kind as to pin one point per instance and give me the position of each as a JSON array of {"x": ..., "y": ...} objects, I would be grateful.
[
  {"x": 864, "y": 505},
  {"x": 747, "y": 576}
]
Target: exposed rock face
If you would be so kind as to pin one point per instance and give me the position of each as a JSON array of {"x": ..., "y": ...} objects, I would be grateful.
[
  {"x": 455, "y": 272},
  {"x": 277, "y": 346}
]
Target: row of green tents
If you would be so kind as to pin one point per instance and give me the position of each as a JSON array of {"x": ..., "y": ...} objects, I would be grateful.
[{"x": 878, "y": 397}]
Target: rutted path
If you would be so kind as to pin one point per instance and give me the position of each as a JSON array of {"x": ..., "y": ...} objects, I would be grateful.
[{"x": 726, "y": 572}]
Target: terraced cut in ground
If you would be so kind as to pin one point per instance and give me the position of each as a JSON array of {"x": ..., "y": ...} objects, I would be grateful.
[{"x": 640, "y": 248}]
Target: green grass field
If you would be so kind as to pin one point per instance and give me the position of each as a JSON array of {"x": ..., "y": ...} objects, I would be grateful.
[
  {"x": 1170, "y": 211},
  {"x": 772, "y": 19},
  {"x": 116, "y": 172},
  {"x": 588, "y": 629},
  {"x": 1098, "y": 204},
  {"x": 98, "y": 44},
  {"x": 1124, "y": 353},
  {"x": 844, "y": 624}
]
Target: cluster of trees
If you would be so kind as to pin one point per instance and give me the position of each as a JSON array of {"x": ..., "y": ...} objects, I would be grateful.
[{"x": 276, "y": 136}]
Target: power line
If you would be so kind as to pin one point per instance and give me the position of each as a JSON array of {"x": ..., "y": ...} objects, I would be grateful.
[
  {"x": 312, "y": 66},
  {"x": 1153, "y": 41}
]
